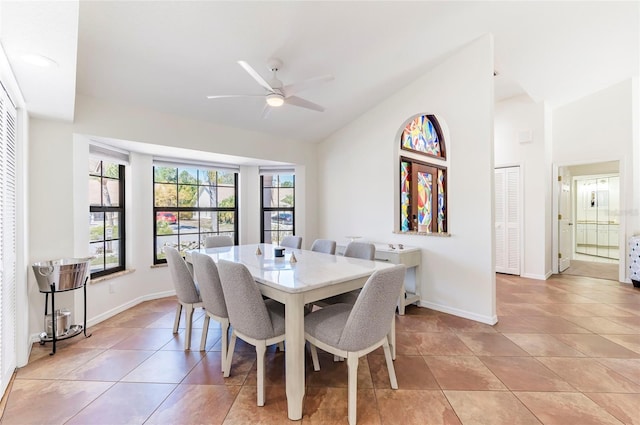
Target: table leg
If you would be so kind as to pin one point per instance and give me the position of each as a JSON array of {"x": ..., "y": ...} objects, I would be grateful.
[{"x": 294, "y": 355}]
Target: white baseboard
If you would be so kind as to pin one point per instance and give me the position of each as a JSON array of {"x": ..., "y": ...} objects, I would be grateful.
[
  {"x": 107, "y": 314},
  {"x": 537, "y": 276},
  {"x": 489, "y": 320}
]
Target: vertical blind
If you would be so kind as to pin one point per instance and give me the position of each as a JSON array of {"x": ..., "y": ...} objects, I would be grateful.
[{"x": 7, "y": 239}]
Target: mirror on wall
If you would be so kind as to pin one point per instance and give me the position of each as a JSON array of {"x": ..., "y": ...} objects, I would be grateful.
[{"x": 597, "y": 215}]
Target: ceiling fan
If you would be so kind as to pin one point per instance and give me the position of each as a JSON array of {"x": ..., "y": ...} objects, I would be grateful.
[{"x": 278, "y": 94}]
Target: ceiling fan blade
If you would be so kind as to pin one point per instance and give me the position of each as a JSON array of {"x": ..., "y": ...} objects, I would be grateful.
[
  {"x": 265, "y": 111},
  {"x": 291, "y": 89},
  {"x": 297, "y": 101},
  {"x": 255, "y": 75},
  {"x": 234, "y": 95}
]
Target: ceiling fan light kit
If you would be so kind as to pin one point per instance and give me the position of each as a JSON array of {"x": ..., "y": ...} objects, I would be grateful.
[
  {"x": 278, "y": 94},
  {"x": 275, "y": 99}
]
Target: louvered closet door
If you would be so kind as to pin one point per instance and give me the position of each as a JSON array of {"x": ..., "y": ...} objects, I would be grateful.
[
  {"x": 7, "y": 239},
  {"x": 508, "y": 218}
]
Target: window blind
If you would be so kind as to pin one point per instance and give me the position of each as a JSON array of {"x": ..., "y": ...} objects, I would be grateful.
[
  {"x": 108, "y": 153},
  {"x": 200, "y": 165}
]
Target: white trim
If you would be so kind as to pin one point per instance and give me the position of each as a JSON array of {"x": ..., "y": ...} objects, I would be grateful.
[
  {"x": 537, "y": 276},
  {"x": 201, "y": 165},
  {"x": 489, "y": 320},
  {"x": 100, "y": 151},
  {"x": 276, "y": 170}
]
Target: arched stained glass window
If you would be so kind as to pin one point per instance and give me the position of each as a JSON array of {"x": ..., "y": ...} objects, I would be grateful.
[
  {"x": 423, "y": 185},
  {"x": 422, "y": 135}
]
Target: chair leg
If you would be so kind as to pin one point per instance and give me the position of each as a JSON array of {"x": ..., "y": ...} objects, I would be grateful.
[
  {"x": 176, "y": 322},
  {"x": 390, "y": 368},
  {"x": 225, "y": 342},
  {"x": 392, "y": 337},
  {"x": 205, "y": 332},
  {"x": 189, "y": 319},
  {"x": 229, "y": 359},
  {"x": 261, "y": 349},
  {"x": 314, "y": 357},
  {"x": 352, "y": 367}
]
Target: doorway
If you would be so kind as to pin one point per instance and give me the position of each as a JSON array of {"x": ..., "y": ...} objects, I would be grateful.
[{"x": 589, "y": 220}]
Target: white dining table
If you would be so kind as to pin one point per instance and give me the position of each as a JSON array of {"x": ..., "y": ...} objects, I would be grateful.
[{"x": 312, "y": 277}]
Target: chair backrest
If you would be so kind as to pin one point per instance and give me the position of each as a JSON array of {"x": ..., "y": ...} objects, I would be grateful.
[
  {"x": 247, "y": 311},
  {"x": 371, "y": 315},
  {"x": 292, "y": 242},
  {"x": 218, "y": 241},
  {"x": 186, "y": 290},
  {"x": 324, "y": 245},
  {"x": 364, "y": 250},
  {"x": 206, "y": 273}
]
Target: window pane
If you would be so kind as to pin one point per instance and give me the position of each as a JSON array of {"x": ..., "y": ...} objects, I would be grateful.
[
  {"x": 95, "y": 191},
  {"x": 226, "y": 221},
  {"x": 112, "y": 226},
  {"x": 161, "y": 242},
  {"x": 226, "y": 178},
  {"x": 187, "y": 196},
  {"x": 269, "y": 237},
  {"x": 111, "y": 196},
  {"x": 165, "y": 174},
  {"x": 206, "y": 222},
  {"x": 405, "y": 196},
  {"x": 425, "y": 187},
  {"x": 109, "y": 169},
  {"x": 96, "y": 226},
  {"x": 285, "y": 198},
  {"x": 188, "y": 221},
  {"x": 441, "y": 202},
  {"x": 190, "y": 241},
  {"x": 187, "y": 176},
  {"x": 206, "y": 177},
  {"x": 165, "y": 222},
  {"x": 207, "y": 196},
  {"x": 96, "y": 250},
  {"x": 270, "y": 180},
  {"x": 286, "y": 180},
  {"x": 95, "y": 167},
  {"x": 112, "y": 250},
  {"x": 226, "y": 197},
  {"x": 269, "y": 197},
  {"x": 165, "y": 195}
]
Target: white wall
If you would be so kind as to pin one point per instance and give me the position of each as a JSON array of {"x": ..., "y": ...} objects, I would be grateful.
[
  {"x": 511, "y": 117},
  {"x": 358, "y": 192},
  {"x": 599, "y": 128},
  {"x": 58, "y": 195}
]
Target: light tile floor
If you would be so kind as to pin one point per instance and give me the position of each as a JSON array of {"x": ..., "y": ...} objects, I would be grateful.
[{"x": 565, "y": 351}]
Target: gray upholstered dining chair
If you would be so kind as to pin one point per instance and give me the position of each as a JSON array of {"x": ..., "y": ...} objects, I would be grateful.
[
  {"x": 217, "y": 241},
  {"x": 256, "y": 321},
  {"x": 324, "y": 245},
  {"x": 186, "y": 291},
  {"x": 206, "y": 273},
  {"x": 363, "y": 250},
  {"x": 353, "y": 331},
  {"x": 292, "y": 242}
]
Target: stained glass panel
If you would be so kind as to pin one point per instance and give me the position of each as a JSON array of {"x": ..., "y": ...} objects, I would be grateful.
[
  {"x": 425, "y": 188},
  {"x": 441, "y": 200},
  {"x": 405, "y": 195},
  {"x": 420, "y": 135}
]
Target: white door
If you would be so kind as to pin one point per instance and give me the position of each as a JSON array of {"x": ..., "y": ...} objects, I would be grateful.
[
  {"x": 565, "y": 223},
  {"x": 507, "y": 225}
]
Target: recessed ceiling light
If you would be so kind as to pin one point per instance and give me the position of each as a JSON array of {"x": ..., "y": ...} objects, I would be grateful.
[{"x": 39, "y": 60}]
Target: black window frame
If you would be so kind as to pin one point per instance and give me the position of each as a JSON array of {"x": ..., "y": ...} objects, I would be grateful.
[
  {"x": 120, "y": 209},
  {"x": 277, "y": 209},
  {"x": 177, "y": 210}
]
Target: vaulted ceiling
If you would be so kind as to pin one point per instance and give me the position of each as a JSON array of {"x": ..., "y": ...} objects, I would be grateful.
[{"x": 170, "y": 55}]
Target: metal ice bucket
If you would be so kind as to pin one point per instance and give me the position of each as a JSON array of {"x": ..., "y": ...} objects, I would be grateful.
[{"x": 63, "y": 274}]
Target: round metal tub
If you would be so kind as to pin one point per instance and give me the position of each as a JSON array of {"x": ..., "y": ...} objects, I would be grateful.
[{"x": 63, "y": 274}]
